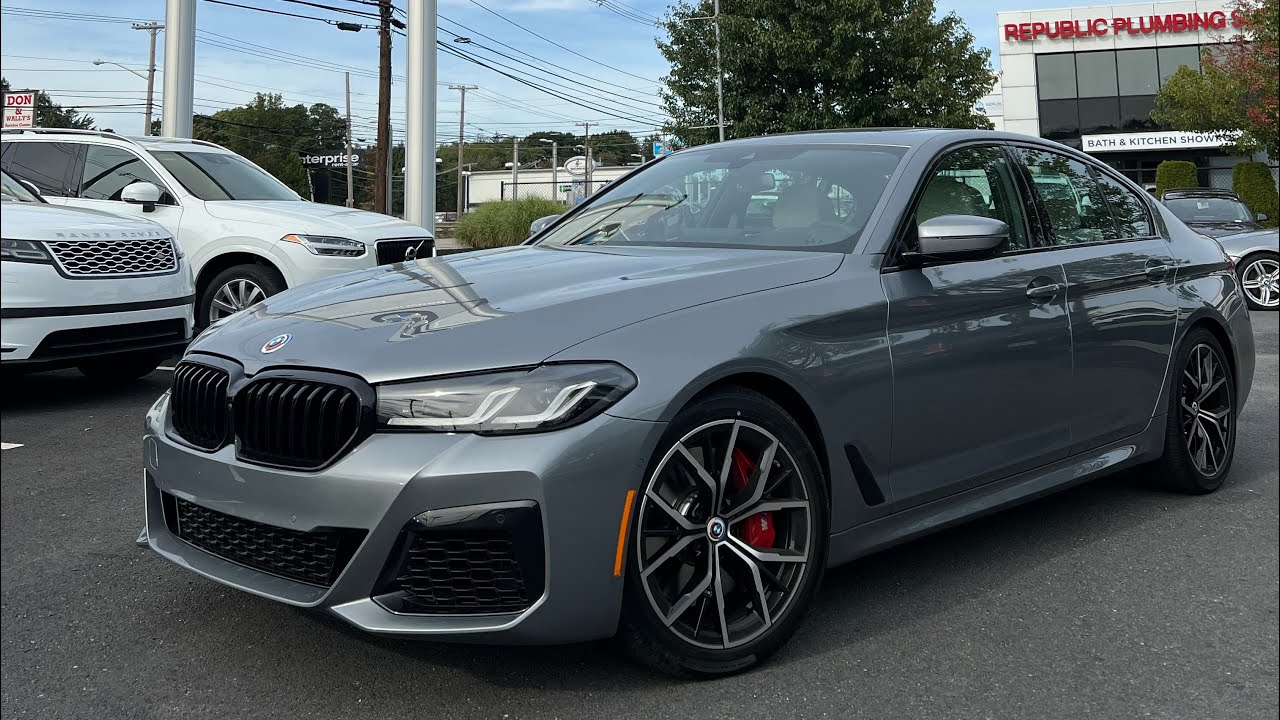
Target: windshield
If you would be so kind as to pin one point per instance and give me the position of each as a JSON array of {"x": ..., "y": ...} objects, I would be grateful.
[
  {"x": 1209, "y": 210},
  {"x": 781, "y": 197},
  {"x": 11, "y": 189},
  {"x": 222, "y": 176}
]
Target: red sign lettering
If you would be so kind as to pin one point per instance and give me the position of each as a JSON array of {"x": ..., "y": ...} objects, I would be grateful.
[{"x": 1146, "y": 25}]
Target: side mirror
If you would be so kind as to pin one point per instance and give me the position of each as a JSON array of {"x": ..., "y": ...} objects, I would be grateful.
[
  {"x": 142, "y": 193},
  {"x": 1262, "y": 217},
  {"x": 541, "y": 223},
  {"x": 961, "y": 237}
]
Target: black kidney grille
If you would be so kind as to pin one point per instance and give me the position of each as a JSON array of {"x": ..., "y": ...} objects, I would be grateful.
[
  {"x": 294, "y": 423},
  {"x": 463, "y": 573},
  {"x": 392, "y": 251},
  {"x": 315, "y": 557},
  {"x": 198, "y": 405}
]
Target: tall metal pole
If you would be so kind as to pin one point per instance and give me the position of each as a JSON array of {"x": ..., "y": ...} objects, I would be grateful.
[
  {"x": 555, "y": 169},
  {"x": 462, "y": 135},
  {"x": 719, "y": 77},
  {"x": 351, "y": 195},
  {"x": 152, "y": 29},
  {"x": 515, "y": 168},
  {"x": 420, "y": 120},
  {"x": 179, "y": 68},
  {"x": 586, "y": 145}
]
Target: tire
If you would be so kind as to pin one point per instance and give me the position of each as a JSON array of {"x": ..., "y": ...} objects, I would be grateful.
[
  {"x": 1191, "y": 463},
  {"x": 1259, "y": 274},
  {"x": 705, "y": 575},
  {"x": 237, "y": 285},
  {"x": 120, "y": 368}
]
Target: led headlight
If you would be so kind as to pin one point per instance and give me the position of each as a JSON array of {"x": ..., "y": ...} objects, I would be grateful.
[
  {"x": 24, "y": 251},
  {"x": 514, "y": 401},
  {"x": 326, "y": 245}
]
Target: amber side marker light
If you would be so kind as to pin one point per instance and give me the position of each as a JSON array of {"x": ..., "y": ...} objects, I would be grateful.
[{"x": 622, "y": 532}]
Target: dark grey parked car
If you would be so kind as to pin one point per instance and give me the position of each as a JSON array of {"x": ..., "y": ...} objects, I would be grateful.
[
  {"x": 663, "y": 417},
  {"x": 1222, "y": 215}
]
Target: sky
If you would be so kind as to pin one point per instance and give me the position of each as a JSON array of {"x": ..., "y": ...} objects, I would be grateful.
[{"x": 602, "y": 53}]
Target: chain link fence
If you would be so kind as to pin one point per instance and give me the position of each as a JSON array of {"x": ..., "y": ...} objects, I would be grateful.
[{"x": 571, "y": 190}]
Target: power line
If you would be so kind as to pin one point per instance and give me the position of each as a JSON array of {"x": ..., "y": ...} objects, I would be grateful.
[{"x": 329, "y": 21}]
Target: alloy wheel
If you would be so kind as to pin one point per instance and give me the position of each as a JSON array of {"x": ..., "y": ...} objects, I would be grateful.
[
  {"x": 724, "y": 534},
  {"x": 233, "y": 297},
  {"x": 1261, "y": 282},
  {"x": 1206, "y": 410}
]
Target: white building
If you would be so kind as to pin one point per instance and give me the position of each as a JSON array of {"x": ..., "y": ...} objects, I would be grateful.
[
  {"x": 489, "y": 185},
  {"x": 1088, "y": 77}
]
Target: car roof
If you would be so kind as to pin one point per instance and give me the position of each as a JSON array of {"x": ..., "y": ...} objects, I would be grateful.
[
  {"x": 1200, "y": 192},
  {"x": 903, "y": 137},
  {"x": 148, "y": 143}
]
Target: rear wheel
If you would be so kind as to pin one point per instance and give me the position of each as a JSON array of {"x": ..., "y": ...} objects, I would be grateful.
[
  {"x": 1260, "y": 280},
  {"x": 235, "y": 289},
  {"x": 729, "y": 541},
  {"x": 120, "y": 368},
  {"x": 1200, "y": 435}
]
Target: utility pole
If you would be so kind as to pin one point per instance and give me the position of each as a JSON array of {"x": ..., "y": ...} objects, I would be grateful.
[
  {"x": 381, "y": 182},
  {"x": 351, "y": 196},
  {"x": 719, "y": 76},
  {"x": 555, "y": 168},
  {"x": 152, "y": 29},
  {"x": 515, "y": 168},
  {"x": 586, "y": 145},
  {"x": 462, "y": 126}
]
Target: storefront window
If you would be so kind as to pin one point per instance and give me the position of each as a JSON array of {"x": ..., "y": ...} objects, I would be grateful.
[
  {"x": 1056, "y": 76},
  {"x": 1135, "y": 113},
  {"x": 1099, "y": 115},
  {"x": 1172, "y": 58},
  {"x": 1060, "y": 120},
  {"x": 1138, "y": 74},
  {"x": 1096, "y": 74}
]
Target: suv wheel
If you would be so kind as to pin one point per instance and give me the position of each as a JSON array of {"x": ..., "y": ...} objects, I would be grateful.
[
  {"x": 1260, "y": 279},
  {"x": 235, "y": 289},
  {"x": 730, "y": 538}
]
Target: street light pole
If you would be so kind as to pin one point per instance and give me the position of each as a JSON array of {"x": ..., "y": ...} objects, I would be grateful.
[
  {"x": 351, "y": 199},
  {"x": 586, "y": 146},
  {"x": 515, "y": 168},
  {"x": 555, "y": 169},
  {"x": 152, "y": 29}
]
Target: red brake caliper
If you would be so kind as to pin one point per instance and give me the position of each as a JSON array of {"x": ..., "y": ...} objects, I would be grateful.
[{"x": 757, "y": 530}]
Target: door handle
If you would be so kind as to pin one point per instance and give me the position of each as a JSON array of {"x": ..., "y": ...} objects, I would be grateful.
[
  {"x": 1156, "y": 270},
  {"x": 1041, "y": 294}
]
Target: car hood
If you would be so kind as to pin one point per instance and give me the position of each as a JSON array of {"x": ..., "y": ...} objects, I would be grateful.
[
  {"x": 300, "y": 216},
  {"x": 38, "y": 221},
  {"x": 1220, "y": 230},
  {"x": 1240, "y": 244},
  {"x": 492, "y": 309}
]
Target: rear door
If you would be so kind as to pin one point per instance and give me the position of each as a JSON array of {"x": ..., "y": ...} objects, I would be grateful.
[
  {"x": 1119, "y": 293},
  {"x": 981, "y": 349}
]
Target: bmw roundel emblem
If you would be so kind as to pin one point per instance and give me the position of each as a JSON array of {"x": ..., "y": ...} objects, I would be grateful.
[
  {"x": 276, "y": 343},
  {"x": 716, "y": 529}
]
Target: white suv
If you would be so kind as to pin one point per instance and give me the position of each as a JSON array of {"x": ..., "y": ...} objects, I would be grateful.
[
  {"x": 247, "y": 235},
  {"x": 110, "y": 295}
]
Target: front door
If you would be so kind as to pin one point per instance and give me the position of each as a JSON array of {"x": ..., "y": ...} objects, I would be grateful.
[
  {"x": 107, "y": 170},
  {"x": 981, "y": 350},
  {"x": 1119, "y": 294}
]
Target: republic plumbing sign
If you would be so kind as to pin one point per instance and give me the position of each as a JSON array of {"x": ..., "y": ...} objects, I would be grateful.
[
  {"x": 20, "y": 109},
  {"x": 331, "y": 161},
  {"x": 1171, "y": 140}
]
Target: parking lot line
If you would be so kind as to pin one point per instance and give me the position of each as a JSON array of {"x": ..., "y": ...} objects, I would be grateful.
[{"x": 9, "y": 446}]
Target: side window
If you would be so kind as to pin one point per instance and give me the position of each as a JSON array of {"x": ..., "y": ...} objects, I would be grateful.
[
  {"x": 976, "y": 181},
  {"x": 1072, "y": 199},
  {"x": 107, "y": 170},
  {"x": 1129, "y": 212},
  {"x": 44, "y": 164}
]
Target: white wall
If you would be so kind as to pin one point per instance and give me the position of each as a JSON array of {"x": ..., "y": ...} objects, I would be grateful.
[{"x": 487, "y": 186}]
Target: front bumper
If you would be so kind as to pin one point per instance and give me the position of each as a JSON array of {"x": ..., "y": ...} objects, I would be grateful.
[
  {"x": 578, "y": 479},
  {"x": 22, "y": 338}
]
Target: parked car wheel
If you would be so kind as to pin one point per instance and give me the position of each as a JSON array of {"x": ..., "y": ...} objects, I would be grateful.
[
  {"x": 120, "y": 368},
  {"x": 1200, "y": 437},
  {"x": 1260, "y": 278},
  {"x": 730, "y": 538},
  {"x": 235, "y": 289}
]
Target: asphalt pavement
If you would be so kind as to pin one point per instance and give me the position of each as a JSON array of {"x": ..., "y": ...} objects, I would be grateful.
[{"x": 1110, "y": 600}]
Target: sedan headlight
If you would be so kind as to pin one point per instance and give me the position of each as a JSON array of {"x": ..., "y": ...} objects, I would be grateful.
[
  {"x": 514, "y": 401},
  {"x": 326, "y": 245},
  {"x": 24, "y": 251}
]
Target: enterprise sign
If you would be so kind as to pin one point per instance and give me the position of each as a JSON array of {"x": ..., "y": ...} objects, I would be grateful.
[
  {"x": 331, "y": 160},
  {"x": 1172, "y": 140},
  {"x": 1143, "y": 25}
]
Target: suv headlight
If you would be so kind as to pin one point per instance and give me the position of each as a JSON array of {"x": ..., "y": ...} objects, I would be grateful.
[
  {"x": 24, "y": 251},
  {"x": 327, "y": 245},
  {"x": 546, "y": 397}
]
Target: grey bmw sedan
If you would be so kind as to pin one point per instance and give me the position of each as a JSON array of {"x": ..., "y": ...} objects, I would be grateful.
[{"x": 666, "y": 413}]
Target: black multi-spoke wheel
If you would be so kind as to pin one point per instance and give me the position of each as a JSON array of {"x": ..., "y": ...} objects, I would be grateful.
[
  {"x": 729, "y": 538},
  {"x": 1200, "y": 436}
]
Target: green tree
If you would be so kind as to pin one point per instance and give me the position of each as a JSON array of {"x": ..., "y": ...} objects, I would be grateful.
[
  {"x": 1237, "y": 87},
  {"x": 815, "y": 64},
  {"x": 615, "y": 147},
  {"x": 1175, "y": 174},
  {"x": 51, "y": 115}
]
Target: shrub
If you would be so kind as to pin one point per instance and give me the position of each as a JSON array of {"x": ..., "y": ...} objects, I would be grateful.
[
  {"x": 503, "y": 223},
  {"x": 1174, "y": 174},
  {"x": 1252, "y": 181}
]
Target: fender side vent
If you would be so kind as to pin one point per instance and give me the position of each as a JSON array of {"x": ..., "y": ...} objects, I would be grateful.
[{"x": 867, "y": 485}]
